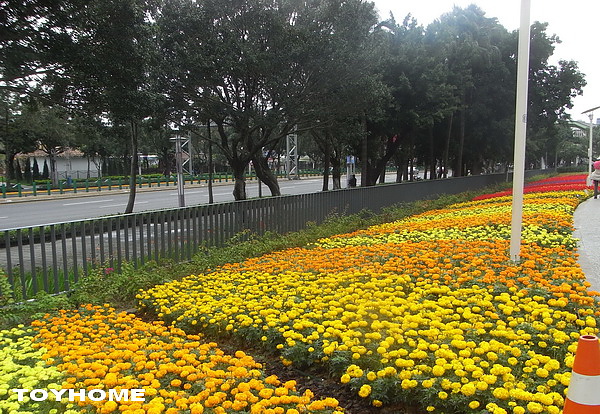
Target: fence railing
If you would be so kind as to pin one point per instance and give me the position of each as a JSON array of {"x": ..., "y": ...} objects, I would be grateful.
[
  {"x": 74, "y": 186},
  {"x": 53, "y": 257}
]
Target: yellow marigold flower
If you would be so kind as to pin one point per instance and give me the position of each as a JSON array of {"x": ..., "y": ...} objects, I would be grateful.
[
  {"x": 500, "y": 393},
  {"x": 534, "y": 407},
  {"x": 365, "y": 390},
  {"x": 468, "y": 389}
]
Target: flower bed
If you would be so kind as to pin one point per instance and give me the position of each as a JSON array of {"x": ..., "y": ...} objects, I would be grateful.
[
  {"x": 560, "y": 183},
  {"x": 428, "y": 310},
  {"x": 97, "y": 348},
  {"x": 23, "y": 366}
]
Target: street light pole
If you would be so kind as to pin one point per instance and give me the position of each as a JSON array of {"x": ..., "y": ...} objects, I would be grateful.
[
  {"x": 179, "y": 164},
  {"x": 210, "y": 165},
  {"x": 520, "y": 132},
  {"x": 590, "y": 113},
  {"x": 590, "y": 150}
]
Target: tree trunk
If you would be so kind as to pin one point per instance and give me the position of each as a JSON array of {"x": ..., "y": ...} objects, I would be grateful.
[
  {"x": 398, "y": 162},
  {"x": 134, "y": 167},
  {"x": 53, "y": 171},
  {"x": 364, "y": 154},
  {"x": 264, "y": 174},
  {"x": 10, "y": 166},
  {"x": 336, "y": 172},
  {"x": 461, "y": 143},
  {"x": 431, "y": 157},
  {"x": 444, "y": 166},
  {"x": 327, "y": 162},
  {"x": 239, "y": 176},
  {"x": 377, "y": 170}
]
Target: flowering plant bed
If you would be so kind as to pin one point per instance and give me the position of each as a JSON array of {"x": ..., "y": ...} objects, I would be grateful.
[
  {"x": 428, "y": 310},
  {"x": 95, "y": 348}
]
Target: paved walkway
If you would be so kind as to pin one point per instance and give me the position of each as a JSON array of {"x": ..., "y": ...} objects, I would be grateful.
[{"x": 587, "y": 230}]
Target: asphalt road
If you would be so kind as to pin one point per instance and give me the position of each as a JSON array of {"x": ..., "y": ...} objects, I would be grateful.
[{"x": 34, "y": 211}]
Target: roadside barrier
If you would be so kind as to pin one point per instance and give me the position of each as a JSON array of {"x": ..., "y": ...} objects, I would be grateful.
[{"x": 583, "y": 396}]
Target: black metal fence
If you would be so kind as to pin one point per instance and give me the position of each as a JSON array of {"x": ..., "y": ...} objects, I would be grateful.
[{"x": 52, "y": 257}]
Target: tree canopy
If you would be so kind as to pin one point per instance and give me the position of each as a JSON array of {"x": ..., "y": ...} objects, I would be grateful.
[{"x": 387, "y": 92}]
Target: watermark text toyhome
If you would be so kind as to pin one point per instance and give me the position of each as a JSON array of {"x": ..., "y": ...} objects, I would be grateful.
[{"x": 135, "y": 394}]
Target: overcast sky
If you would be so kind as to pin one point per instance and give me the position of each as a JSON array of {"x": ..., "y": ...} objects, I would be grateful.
[{"x": 575, "y": 22}]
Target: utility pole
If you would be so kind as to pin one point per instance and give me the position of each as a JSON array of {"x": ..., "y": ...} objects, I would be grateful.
[
  {"x": 179, "y": 164},
  {"x": 590, "y": 113},
  {"x": 520, "y": 132},
  {"x": 186, "y": 155},
  {"x": 291, "y": 158},
  {"x": 210, "y": 165}
]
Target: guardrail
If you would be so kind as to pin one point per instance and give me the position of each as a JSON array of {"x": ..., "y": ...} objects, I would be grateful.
[
  {"x": 108, "y": 184},
  {"x": 53, "y": 257}
]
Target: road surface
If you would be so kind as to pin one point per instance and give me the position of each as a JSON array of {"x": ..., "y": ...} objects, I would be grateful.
[{"x": 15, "y": 213}]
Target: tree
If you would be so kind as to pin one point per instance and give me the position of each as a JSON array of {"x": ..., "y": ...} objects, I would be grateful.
[
  {"x": 15, "y": 135},
  {"x": 419, "y": 96},
  {"x": 30, "y": 36},
  {"x": 27, "y": 171},
  {"x": 471, "y": 45},
  {"x": 551, "y": 92},
  {"x": 107, "y": 67},
  {"x": 35, "y": 171},
  {"x": 49, "y": 127},
  {"x": 18, "y": 171},
  {"x": 348, "y": 85},
  {"x": 46, "y": 170},
  {"x": 256, "y": 65}
]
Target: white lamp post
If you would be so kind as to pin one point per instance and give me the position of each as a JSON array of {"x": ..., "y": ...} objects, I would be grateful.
[
  {"x": 520, "y": 132},
  {"x": 179, "y": 163},
  {"x": 590, "y": 113}
]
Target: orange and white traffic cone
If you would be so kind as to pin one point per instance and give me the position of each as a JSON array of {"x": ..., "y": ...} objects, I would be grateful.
[{"x": 583, "y": 396}]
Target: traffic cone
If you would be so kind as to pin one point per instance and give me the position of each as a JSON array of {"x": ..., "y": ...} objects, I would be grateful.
[{"x": 583, "y": 396}]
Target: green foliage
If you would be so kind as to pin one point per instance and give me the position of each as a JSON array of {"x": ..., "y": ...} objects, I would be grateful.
[
  {"x": 46, "y": 170},
  {"x": 6, "y": 292},
  {"x": 35, "y": 172},
  {"x": 572, "y": 169},
  {"x": 106, "y": 285},
  {"x": 16, "y": 313},
  {"x": 18, "y": 172},
  {"x": 27, "y": 172}
]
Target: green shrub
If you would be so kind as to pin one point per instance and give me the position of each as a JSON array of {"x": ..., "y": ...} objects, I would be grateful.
[
  {"x": 105, "y": 285},
  {"x": 572, "y": 169}
]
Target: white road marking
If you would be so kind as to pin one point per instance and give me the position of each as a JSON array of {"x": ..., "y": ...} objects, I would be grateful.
[
  {"x": 124, "y": 204},
  {"x": 86, "y": 202}
]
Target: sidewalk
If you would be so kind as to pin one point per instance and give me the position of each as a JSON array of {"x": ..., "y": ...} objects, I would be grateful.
[{"x": 587, "y": 229}]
